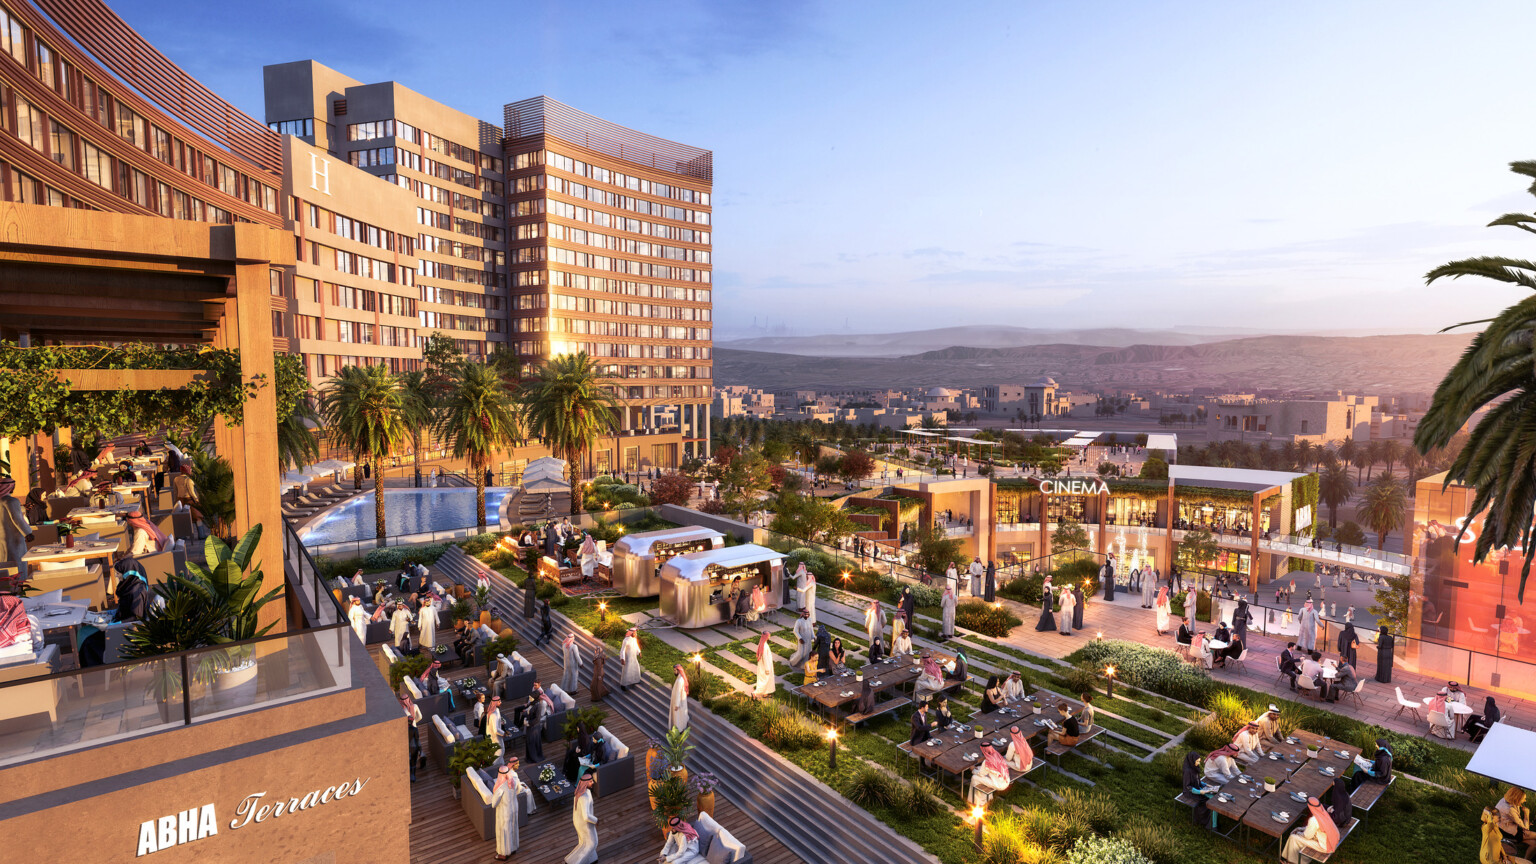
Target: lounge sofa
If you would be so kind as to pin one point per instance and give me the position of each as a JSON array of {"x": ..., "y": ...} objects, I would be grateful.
[
  {"x": 554, "y": 730},
  {"x": 518, "y": 682},
  {"x": 717, "y": 845},
  {"x": 617, "y": 773},
  {"x": 474, "y": 790}
]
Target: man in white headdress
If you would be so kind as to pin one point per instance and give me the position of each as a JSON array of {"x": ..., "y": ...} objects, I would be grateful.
[
  {"x": 805, "y": 635},
  {"x": 400, "y": 623},
  {"x": 677, "y": 712},
  {"x": 807, "y": 587},
  {"x": 426, "y": 620},
  {"x": 503, "y": 796},
  {"x": 629, "y": 657},
  {"x": 359, "y": 618},
  {"x": 570, "y": 678},
  {"x": 977, "y": 571}
]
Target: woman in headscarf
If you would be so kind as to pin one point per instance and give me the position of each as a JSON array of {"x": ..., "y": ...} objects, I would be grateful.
[
  {"x": 959, "y": 668},
  {"x": 35, "y": 506},
  {"x": 990, "y": 593},
  {"x": 1196, "y": 785},
  {"x": 908, "y": 604},
  {"x": 1320, "y": 834},
  {"x": 1380, "y": 769},
  {"x": 930, "y": 681},
  {"x": 989, "y": 777},
  {"x": 147, "y": 536},
  {"x": 1164, "y": 608},
  {"x": 1046, "y": 621},
  {"x": 1340, "y": 807},
  {"x": 581, "y": 747},
  {"x": 1478, "y": 724},
  {"x": 15, "y": 530},
  {"x": 1442, "y": 723},
  {"x": 677, "y": 712},
  {"x": 806, "y": 585},
  {"x": 1348, "y": 643},
  {"x": 682, "y": 844},
  {"x": 1241, "y": 618},
  {"x": 867, "y": 700},
  {"x": 585, "y": 821},
  {"x": 599, "y": 687},
  {"x": 1385, "y": 645}
]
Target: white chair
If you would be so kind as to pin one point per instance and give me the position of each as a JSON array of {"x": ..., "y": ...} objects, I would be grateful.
[
  {"x": 1359, "y": 686},
  {"x": 1406, "y": 704},
  {"x": 1475, "y": 628},
  {"x": 1306, "y": 684},
  {"x": 1240, "y": 660}
]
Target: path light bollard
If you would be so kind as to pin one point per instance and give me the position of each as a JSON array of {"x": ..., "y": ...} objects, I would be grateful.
[
  {"x": 978, "y": 813},
  {"x": 832, "y": 753},
  {"x": 602, "y": 610},
  {"x": 1109, "y": 677}
]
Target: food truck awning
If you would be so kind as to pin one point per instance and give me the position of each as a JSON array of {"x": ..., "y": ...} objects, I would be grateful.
[
  {"x": 641, "y": 543},
  {"x": 1508, "y": 754}
]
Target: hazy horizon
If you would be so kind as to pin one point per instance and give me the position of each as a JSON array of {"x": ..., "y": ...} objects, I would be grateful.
[{"x": 884, "y": 167}]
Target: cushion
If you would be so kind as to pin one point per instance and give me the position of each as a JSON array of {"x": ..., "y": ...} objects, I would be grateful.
[
  {"x": 487, "y": 633},
  {"x": 717, "y": 853},
  {"x": 707, "y": 828},
  {"x": 724, "y": 840},
  {"x": 442, "y": 728},
  {"x": 57, "y": 565},
  {"x": 473, "y": 775},
  {"x": 410, "y": 684}
]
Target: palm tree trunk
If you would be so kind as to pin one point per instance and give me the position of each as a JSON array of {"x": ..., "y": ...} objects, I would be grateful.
[
  {"x": 378, "y": 498},
  {"x": 480, "y": 497},
  {"x": 416, "y": 454},
  {"x": 571, "y": 462}
]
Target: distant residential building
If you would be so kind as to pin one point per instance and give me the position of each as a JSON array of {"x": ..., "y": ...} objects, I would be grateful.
[{"x": 1314, "y": 421}]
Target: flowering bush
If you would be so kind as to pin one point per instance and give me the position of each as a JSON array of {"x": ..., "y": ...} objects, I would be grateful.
[
  {"x": 1155, "y": 669},
  {"x": 1094, "y": 849}
]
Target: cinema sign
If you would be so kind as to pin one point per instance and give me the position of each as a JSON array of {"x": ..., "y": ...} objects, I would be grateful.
[
  {"x": 1074, "y": 487},
  {"x": 198, "y": 823}
]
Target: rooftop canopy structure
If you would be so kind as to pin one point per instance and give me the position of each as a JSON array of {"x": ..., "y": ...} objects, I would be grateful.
[{"x": 1507, "y": 754}]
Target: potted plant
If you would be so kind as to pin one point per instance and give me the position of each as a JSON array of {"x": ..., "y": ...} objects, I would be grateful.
[
  {"x": 591, "y": 715},
  {"x": 675, "y": 751},
  {"x": 474, "y": 753},
  {"x": 187, "y": 619},
  {"x": 671, "y": 797},
  {"x": 504, "y": 645},
  {"x": 1311, "y": 751},
  {"x": 703, "y": 785},
  {"x": 233, "y": 580},
  {"x": 67, "y": 530},
  {"x": 461, "y": 610},
  {"x": 1269, "y": 784},
  {"x": 409, "y": 666},
  {"x": 652, "y": 750}
]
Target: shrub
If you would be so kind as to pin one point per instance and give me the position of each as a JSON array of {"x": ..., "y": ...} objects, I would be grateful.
[
  {"x": 476, "y": 752},
  {"x": 591, "y": 715},
  {"x": 1037, "y": 825},
  {"x": 925, "y": 798},
  {"x": 923, "y": 595},
  {"x": 394, "y": 557},
  {"x": 1155, "y": 669},
  {"x": 671, "y": 489},
  {"x": 1414, "y": 755},
  {"x": 1105, "y": 850},
  {"x": 1025, "y": 589},
  {"x": 1155, "y": 840},
  {"x": 480, "y": 543},
  {"x": 1206, "y": 734},
  {"x": 1068, "y": 829},
  {"x": 985, "y": 618},
  {"x": 1081, "y": 678},
  {"x": 1008, "y": 840},
  {"x": 505, "y": 643},
  {"x": 791, "y": 730},
  {"x": 872, "y": 787},
  {"x": 673, "y": 798},
  {"x": 1096, "y": 808},
  {"x": 614, "y": 628},
  {"x": 409, "y": 666}
]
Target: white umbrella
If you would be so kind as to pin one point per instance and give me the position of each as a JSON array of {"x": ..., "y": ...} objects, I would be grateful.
[{"x": 330, "y": 466}]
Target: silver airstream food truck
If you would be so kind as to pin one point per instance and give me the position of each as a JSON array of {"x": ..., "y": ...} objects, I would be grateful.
[
  {"x": 696, "y": 588},
  {"x": 637, "y": 558}
]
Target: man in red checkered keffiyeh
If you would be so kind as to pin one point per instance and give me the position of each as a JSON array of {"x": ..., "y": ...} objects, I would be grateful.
[{"x": 15, "y": 629}]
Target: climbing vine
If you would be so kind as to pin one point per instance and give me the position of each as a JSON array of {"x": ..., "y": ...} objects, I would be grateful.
[
  {"x": 34, "y": 400},
  {"x": 1304, "y": 492}
]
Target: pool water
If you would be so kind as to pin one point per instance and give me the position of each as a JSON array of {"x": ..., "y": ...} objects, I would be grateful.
[{"x": 406, "y": 511}]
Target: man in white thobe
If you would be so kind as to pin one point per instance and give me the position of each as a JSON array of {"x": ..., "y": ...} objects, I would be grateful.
[
  {"x": 503, "y": 796},
  {"x": 677, "y": 712},
  {"x": 977, "y": 571},
  {"x": 804, "y": 636},
  {"x": 807, "y": 589},
  {"x": 400, "y": 623},
  {"x": 570, "y": 678},
  {"x": 426, "y": 620},
  {"x": 359, "y": 618},
  {"x": 585, "y": 821},
  {"x": 629, "y": 657}
]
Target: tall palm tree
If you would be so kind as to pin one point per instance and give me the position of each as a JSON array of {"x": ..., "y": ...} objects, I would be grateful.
[
  {"x": 1413, "y": 463},
  {"x": 1494, "y": 374},
  {"x": 1376, "y": 451},
  {"x": 1334, "y": 487},
  {"x": 479, "y": 416},
  {"x": 1360, "y": 459},
  {"x": 363, "y": 414},
  {"x": 1384, "y": 506},
  {"x": 566, "y": 404},
  {"x": 1392, "y": 452},
  {"x": 419, "y": 401},
  {"x": 296, "y": 444},
  {"x": 1304, "y": 451},
  {"x": 1345, "y": 450}
]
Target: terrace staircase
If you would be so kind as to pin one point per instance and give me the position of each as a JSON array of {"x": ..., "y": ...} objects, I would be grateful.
[{"x": 808, "y": 817}]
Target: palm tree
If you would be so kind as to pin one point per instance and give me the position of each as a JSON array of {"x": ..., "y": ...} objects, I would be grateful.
[
  {"x": 1360, "y": 459},
  {"x": 479, "y": 416},
  {"x": 296, "y": 445},
  {"x": 1413, "y": 463},
  {"x": 1391, "y": 452},
  {"x": 1345, "y": 450},
  {"x": 1495, "y": 375},
  {"x": 1334, "y": 486},
  {"x": 1304, "y": 451},
  {"x": 362, "y": 407},
  {"x": 419, "y": 407},
  {"x": 1376, "y": 451},
  {"x": 1384, "y": 506},
  {"x": 566, "y": 404}
]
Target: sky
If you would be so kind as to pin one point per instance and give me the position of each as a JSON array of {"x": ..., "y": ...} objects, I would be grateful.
[{"x": 895, "y": 166}]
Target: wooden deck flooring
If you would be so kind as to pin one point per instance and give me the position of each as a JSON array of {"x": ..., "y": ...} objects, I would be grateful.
[{"x": 441, "y": 833}]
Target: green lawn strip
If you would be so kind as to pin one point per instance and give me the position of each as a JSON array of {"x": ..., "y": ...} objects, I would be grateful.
[{"x": 1150, "y": 740}]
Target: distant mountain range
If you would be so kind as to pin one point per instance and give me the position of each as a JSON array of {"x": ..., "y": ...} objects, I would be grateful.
[
  {"x": 1375, "y": 365},
  {"x": 917, "y": 341}
]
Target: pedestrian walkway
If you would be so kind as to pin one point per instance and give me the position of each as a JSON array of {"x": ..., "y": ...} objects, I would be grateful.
[{"x": 1125, "y": 619}]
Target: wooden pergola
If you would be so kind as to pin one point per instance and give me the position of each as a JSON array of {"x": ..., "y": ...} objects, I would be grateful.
[{"x": 89, "y": 277}]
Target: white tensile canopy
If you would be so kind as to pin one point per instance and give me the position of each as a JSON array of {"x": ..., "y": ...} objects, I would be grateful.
[
  {"x": 546, "y": 474},
  {"x": 1507, "y": 754}
]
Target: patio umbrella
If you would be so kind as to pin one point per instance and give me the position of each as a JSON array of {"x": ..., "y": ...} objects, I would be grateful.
[{"x": 1507, "y": 754}]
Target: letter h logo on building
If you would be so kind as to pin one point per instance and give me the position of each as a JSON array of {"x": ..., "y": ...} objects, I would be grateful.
[{"x": 319, "y": 172}]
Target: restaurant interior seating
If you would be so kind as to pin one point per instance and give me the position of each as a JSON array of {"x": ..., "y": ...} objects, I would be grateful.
[
  {"x": 617, "y": 773},
  {"x": 78, "y": 582}
]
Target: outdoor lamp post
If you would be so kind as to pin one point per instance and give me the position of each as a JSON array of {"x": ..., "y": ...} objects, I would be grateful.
[
  {"x": 602, "y": 610},
  {"x": 846, "y": 578},
  {"x": 978, "y": 813},
  {"x": 832, "y": 753},
  {"x": 1100, "y": 637},
  {"x": 1109, "y": 676}
]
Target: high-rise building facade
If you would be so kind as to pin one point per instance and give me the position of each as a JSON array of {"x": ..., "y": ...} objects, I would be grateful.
[
  {"x": 610, "y": 248},
  {"x": 452, "y": 164}
]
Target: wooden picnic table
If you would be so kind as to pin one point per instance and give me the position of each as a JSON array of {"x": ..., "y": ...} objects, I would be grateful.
[
  {"x": 1244, "y": 793},
  {"x": 1328, "y": 749},
  {"x": 1308, "y": 780},
  {"x": 1260, "y": 814}
]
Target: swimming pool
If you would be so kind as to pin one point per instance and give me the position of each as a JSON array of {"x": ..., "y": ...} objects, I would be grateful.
[{"x": 406, "y": 511}]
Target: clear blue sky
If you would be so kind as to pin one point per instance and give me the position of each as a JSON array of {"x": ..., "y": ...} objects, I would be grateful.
[{"x": 884, "y": 166}]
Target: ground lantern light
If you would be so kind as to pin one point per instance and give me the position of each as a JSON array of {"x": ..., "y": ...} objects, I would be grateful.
[
  {"x": 602, "y": 610},
  {"x": 832, "y": 752},
  {"x": 1109, "y": 676},
  {"x": 978, "y": 813}
]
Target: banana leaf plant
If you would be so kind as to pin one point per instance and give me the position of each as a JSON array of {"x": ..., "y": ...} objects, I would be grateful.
[{"x": 234, "y": 581}]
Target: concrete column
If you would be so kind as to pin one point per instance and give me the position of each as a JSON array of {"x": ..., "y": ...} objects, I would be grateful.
[
  {"x": 708, "y": 441},
  {"x": 21, "y": 467}
]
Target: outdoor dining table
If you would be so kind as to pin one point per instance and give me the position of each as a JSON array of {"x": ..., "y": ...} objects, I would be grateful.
[
  {"x": 1459, "y": 710},
  {"x": 1310, "y": 780},
  {"x": 1261, "y": 814},
  {"x": 1278, "y": 765},
  {"x": 1336, "y": 753},
  {"x": 59, "y": 615},
  {"x": 139, "y": 490},
  {"x": 1239, "y": 794},
  {"x": 82, "y": 550}
]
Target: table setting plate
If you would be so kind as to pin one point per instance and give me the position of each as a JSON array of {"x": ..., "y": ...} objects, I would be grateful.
[
  {"x": 1280, "y": 817},
  {"x": 54, "y": 613}
]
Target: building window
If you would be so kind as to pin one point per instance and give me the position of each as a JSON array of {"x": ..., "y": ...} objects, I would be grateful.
[
  {"x": 277, "y": 324},
  {"x": 1303, "y": 427},
  {"x": 275, "y": 283},
  {"x": 29, "y": 123},
  {"x": 300, "y": 128},
  {"x": 61, "y": 145}
]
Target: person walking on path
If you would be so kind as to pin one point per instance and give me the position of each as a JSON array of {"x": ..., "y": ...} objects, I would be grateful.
[{"x": 1064, "y": 625}]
